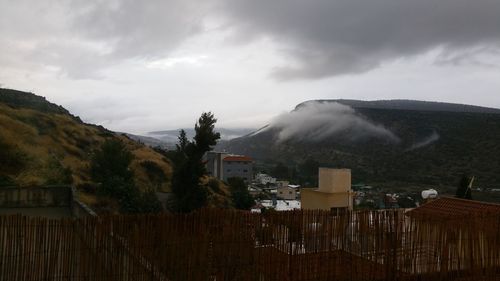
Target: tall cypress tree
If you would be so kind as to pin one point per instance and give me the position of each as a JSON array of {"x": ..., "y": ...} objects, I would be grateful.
[{"x": 188, "y": 165}]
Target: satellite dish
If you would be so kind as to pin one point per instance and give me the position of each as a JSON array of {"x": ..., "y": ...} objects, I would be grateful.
[{"x": 429, "y": 194}]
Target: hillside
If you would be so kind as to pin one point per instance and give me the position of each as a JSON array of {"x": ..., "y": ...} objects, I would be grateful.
[
  {"x": 42, "y": 143},
  {"x": 386, "y": 146}
]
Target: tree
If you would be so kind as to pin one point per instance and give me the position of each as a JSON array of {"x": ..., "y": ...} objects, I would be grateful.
[
  {"x": 111, "y": 160},
  {"x": 309, "y": 171},
  {"x": 463, "y": 190},
  {"x": 188, "y": 165},
  {"x": 242, "y": 199},
  {"x": 149, "y": 202},
  {"x": 205, "y": 136},
  {"x": 110, "y": 168},
  {"x": 280, "y": 171}
]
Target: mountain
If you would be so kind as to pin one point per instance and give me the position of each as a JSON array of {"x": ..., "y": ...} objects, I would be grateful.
[
  {"x": 150, "y": 141},
  {"x": 171, "y": 136},
  {"x": 42, "y": 143},
  {"x": 395, "y": 143},
  {"x": 414, "y": 105}
]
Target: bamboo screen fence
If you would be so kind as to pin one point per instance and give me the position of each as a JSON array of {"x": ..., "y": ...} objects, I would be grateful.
[{"x": 218, "y": 245}]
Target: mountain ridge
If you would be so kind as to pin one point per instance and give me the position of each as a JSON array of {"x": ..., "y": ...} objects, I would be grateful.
[
  {"x": 407, "y": 104},
  {"x": 435, "y": 147}
]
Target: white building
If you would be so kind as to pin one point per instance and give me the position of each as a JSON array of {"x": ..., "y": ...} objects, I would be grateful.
[{"x": 264, "y": 179}]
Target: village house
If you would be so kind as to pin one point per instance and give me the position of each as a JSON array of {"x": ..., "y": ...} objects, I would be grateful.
[
  {"x": 468, "y": 245},
  {"x": 334, "y": 192},
  {"x": 286, "y": 193},
  {"x": 264, "y": 179},
  {"x": 223, "y": 166}
]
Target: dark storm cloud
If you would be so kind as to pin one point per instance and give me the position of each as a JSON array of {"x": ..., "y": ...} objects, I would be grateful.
[
  {"x": 331, "y": 37},
  {"x": 140, "y": 28},
  {"x": 319, "y": 38},
  {"x": 82, "y": 38}
]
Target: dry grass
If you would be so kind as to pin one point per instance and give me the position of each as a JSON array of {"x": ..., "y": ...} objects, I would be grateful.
[{"x": 44, "y": 135}]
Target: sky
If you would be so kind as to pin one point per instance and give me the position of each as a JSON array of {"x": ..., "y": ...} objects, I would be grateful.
[{"x": 140, "y": 66}]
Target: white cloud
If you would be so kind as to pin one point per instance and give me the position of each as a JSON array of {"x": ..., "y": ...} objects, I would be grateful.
[{"x": 317, "y": 121}]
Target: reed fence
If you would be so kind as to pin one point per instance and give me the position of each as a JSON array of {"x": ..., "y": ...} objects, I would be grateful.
[{"x": 213, "y": 244}]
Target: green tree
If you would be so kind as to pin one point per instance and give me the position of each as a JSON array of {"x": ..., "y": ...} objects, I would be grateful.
[
  {"x": 188, "y": 165},
  {"x": 463, "y": 190},
  {"x": 205, "y": 137},
  {"x": 149, "y": 202},
  {"x": 12, "y": 159},
  {"x": 242, "y": 199},
  {"x": 280, "y": 171},
  {"x": 110, "y": 168},
  {"x": 111, "y": 160},
  {"x": 309, "y": 171},
  {"x": 55, "y": 172}
]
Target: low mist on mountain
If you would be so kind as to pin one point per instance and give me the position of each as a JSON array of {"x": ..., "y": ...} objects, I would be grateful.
[{"x": 397, "y": 142}]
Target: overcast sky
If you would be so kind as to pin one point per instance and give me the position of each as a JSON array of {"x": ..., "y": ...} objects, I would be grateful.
[{"x": 140, "y": 66}]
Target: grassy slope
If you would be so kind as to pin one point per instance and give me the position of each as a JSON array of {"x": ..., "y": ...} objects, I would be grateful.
[{"x": 45, "y": 140}]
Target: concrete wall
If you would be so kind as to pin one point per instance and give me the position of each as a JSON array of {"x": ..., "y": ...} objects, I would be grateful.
[
  {"x": 312, "y": 199},
  {"x": 44, "y": 197},
  {"x": 79, "y": 209},
  {"x": 334, "y": 180},
  {"x": 53, "y": 196},
  {"x": 214, "y": 164}
]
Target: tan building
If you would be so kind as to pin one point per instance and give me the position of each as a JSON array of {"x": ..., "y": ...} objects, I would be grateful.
[{"x": 334, "y": 192}]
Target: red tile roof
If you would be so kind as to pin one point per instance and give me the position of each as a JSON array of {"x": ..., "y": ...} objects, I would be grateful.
[
  {"x": 238, "y": 158},
  {"x": 450, "y": 207}
]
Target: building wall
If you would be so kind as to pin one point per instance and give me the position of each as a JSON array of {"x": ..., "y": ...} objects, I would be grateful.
[
  {"x": 334, "y": 180},
  {"x": 281, "y": 184},
  {"x": 286, "y": 193},
  {"x": 241, "y": 169},
  {"x": 214, "y": 164},
  {"x": 313, "y": 199},
  {"x": 334, "y": 191}
]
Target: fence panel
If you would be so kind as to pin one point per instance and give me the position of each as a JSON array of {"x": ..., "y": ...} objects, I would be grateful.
[{"x": 214, "y": 244}]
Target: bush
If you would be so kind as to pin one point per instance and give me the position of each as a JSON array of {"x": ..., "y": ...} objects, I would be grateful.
[
  {"x": 150, "y": 203},
  {"x": 13, "y": 159},
  {"x": 112, "y": 160},
  {"x": 87, "y": 187},
  {"x": 56, "y": 173},
  {"x": 240, "y": 195},
  {"x": 154, "y": 172},
  {"x": 213, "y": 184}
]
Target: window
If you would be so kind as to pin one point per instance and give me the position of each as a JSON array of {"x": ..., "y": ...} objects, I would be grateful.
[
  {"x": 245, "y": 171},
  {"x": 228, "y": 170}
]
